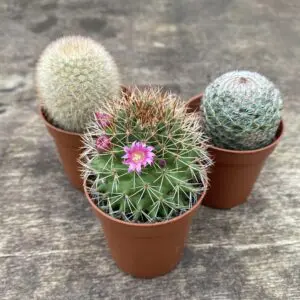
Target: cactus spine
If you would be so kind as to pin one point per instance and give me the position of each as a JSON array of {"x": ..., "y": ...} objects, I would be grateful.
[
  {"x": 241, "y": 111},
  {"x": 156, "y": 164},
  {"x": 74, "y": 76}
]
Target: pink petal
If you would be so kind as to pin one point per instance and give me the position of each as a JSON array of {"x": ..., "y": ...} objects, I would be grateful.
[
  {"x": 149, "y": 161},
  {"x": 131, "y": 167},
  {"x": 138, "y": 168}
]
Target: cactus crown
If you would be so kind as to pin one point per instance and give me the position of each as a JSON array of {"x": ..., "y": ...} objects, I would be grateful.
[
  {"x": 75, "y": 75},
  {"x": 241, "y": 111},
  {"x": 145, "y": 159}
]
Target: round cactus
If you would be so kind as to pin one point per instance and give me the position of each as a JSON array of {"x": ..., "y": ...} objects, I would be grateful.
[
  {"x": 241, "y": 111},
  {"x": 74, "y": 76},
  {"x": 148, "y": 163}
]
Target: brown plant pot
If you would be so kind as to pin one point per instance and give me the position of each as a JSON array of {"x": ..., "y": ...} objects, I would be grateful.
[
  {"x": 146, "y": 250},
  {"x": 234, "y": 172},
  {"x": 68, "y": 145}
]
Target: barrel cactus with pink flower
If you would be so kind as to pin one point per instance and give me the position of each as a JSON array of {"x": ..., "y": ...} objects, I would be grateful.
[{"x": 145, "y": 159}]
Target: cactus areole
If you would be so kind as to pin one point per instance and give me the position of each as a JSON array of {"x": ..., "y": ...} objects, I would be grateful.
[
  {"x": 153, "y": 168},
  {"x": 241, "y": 111}
]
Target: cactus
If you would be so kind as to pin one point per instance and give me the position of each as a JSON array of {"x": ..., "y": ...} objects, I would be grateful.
[
  {"x": 75, "y": 75},
  {"x": 154, "y": 166},
  {"x": 241, "y": 111}
]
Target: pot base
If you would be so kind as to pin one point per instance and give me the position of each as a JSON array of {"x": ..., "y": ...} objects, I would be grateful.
[{"x": 146, "y": 257}]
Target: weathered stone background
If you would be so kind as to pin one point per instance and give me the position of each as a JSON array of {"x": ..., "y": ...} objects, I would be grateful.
[{"x": 51, "y": 245}]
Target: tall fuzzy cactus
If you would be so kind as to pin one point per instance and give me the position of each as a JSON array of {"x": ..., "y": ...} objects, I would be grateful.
[
  {"x": 75, "y": 75},
  {"x": 241, "y": 111},
  {"x": 145, "y": 159}
]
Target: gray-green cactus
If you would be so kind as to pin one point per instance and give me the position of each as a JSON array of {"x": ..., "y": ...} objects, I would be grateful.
[
  {"x": 241, "y": 111},
  {"x": 75, "y": 75},
  {"x": 145, "y": 159}
]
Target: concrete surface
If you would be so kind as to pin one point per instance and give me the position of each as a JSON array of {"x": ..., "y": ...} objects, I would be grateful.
[{"x": 51, "y": 245}]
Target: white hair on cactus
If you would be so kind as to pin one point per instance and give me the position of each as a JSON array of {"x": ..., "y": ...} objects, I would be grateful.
[{"x": 75, "y": 75}]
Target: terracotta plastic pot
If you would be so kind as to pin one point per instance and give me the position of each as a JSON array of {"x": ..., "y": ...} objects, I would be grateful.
[
  {"x": 69, "y": 146},
  {"x": 234, "y": 172},
  {"x": 146, "y": 250}
]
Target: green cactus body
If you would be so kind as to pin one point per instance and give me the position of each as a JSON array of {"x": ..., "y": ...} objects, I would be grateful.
[
  {"x": 170, "y": 183},
  {"x": 74, "y": 76},
  {"x": 241, "y": 111}
]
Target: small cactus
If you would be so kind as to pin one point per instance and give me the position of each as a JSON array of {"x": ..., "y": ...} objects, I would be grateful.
[
  {"x": 155, "y": 166},
  {"x": 75, "y": 75},
  {"x": 241, "y": 111}
]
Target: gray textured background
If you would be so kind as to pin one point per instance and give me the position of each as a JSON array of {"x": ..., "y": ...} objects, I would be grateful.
[{"x": 51, "y": 245}]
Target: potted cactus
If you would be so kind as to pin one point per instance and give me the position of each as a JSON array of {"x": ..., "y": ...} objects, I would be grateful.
[
  {"x": 74, "y": 76},
  {"x": 145, "y": 176},
  {"x": 241, "y": 112}
]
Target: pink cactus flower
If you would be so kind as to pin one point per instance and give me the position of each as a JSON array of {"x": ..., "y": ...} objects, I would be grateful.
[
  {"x": 104, "y": 120},
  {"x": 103, "y": 143},
  {"x": 138, "y": 155}
]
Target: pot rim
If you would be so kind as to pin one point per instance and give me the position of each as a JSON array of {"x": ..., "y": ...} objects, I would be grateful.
[
  {"x": 144, "y": 225},
  {"x": 280, "y": 129},
  {"x": 42, "y": 114}
]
